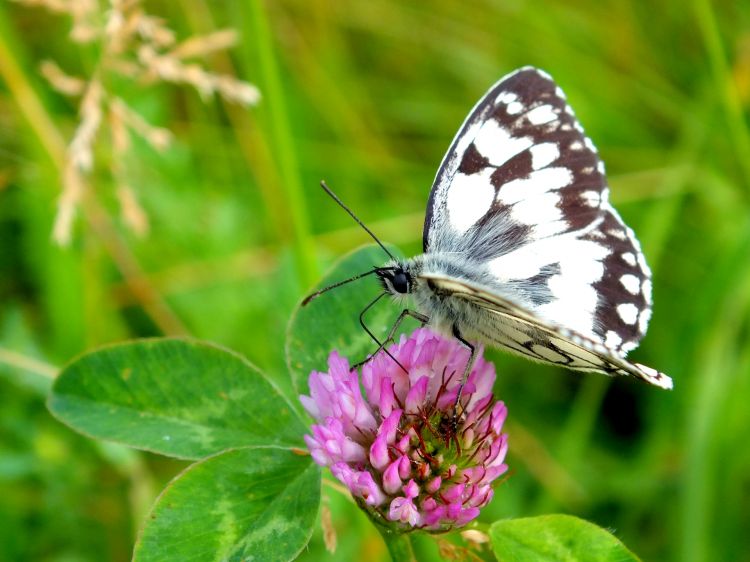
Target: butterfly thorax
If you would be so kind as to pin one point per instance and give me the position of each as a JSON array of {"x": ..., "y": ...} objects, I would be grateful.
[{"x": 444, "y": 310}]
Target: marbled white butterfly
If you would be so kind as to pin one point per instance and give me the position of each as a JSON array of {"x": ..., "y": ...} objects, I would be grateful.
[{"x": 522, "y": 248}]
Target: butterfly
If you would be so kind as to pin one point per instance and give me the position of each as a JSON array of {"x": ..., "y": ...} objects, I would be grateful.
[{"x": 523, "y": 250}]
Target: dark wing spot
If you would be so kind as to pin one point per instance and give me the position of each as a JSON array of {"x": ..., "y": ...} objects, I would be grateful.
[
  {"x": 472, "y": 162},
  {"x": 541, "y": 293},
  {"x": 518, "y": 167}
]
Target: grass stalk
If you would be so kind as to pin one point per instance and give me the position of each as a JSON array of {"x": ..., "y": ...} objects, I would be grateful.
[
  {"x": 715, "y": 366},
  {"x": 576, "y": 434},
  {"x": 32, "y": 109},
  {"x": 303, "y": 248},
  {"x": 24, "y": 362},
  {"x": 729, "y": 95}
]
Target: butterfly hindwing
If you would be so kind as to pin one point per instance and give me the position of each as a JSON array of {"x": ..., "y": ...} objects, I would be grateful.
[
  {"x": 505, "y": 326},
  {"x": 522, "y": 194}
]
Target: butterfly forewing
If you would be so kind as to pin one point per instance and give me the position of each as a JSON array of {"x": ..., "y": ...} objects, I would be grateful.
[{"x": 522, "y": 195}]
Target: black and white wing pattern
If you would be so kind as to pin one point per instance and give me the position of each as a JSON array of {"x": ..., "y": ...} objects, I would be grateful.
[{"x": 522, "y": 197}]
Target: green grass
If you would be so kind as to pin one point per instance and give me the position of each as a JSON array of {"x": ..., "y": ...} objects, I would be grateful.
[{"x": 368, "y": 95}]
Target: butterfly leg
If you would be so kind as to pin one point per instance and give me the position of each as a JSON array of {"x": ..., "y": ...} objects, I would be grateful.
[
  {"x": 374, "y": 338},
  {"x": 391, "y": 333},
  {"x": 469, "y": 366},
  {"x": 404, "y": 313}
]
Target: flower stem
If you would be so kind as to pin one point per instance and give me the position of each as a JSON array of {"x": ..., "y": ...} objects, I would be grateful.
[{"x": 399, "y": 544}]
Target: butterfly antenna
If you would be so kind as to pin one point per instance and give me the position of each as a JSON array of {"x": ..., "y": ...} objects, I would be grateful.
[
  {"x": 310, "y": 297},
  {"x": 359, "y": 222}
]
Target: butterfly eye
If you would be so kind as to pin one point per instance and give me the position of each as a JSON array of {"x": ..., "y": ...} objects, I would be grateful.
[{"x": 400, "y": 282}]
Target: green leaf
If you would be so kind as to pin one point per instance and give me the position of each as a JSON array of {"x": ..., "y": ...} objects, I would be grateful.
[
  {"x": 331, "y": 321},
  {"x": 558, "y": 538},
  {"x": 179, "y": 398},
  {"x": 253, "y": 503}
]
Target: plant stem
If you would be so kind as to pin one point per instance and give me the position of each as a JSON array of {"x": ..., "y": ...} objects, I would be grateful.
[
  {"x": 399, "y": 544},
  {"x": 718, "y": 366}
]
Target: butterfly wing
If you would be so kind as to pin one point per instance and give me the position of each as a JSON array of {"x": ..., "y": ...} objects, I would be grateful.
[
  {"x": 502, "y": 324},
  {"x": 522, "y": 195}
]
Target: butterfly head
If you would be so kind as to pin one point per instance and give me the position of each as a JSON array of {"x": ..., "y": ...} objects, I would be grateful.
[{"x": 396, "y": 279}]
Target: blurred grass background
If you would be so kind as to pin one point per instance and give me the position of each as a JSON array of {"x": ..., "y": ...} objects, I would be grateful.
[{"x": 368, "y": 95}]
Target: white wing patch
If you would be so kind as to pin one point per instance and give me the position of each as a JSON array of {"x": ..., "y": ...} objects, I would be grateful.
[
  {"x": 542, "y": 114},
  {"x": 628, "y": 312},
  {"x": 471, "y": 199},
  {"x": 515, "y": 107},
  {"x": 506, "y": 97},
  {"x": 576, "y": 308},
  {"x": 631, "y": 283},
  {"x": 497, "y": 145},
  {"x": 543, "y": 155},
  {"x": 537, "y": 183},
  {"x": 541, "y": 212}
]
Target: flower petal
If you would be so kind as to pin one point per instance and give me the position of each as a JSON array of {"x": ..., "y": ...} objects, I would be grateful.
[
  {"x": 416, "y": 397},
  {"x": 404, "y": 510},
  {"x": 391, "y": 479}
]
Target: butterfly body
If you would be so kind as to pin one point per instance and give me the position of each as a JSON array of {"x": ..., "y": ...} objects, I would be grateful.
[{"x": 522, "y": 248}]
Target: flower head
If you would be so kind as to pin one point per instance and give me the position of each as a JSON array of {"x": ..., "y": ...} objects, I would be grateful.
[{"x": 404, "y": 451}]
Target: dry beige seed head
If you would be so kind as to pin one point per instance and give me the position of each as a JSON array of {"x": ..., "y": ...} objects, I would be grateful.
[
  {"x": 131, "y": 212},
  {"x": 205, "y": 44},
  {"x": 329, "y": 531},
  {"x": 153, "y": 30},
  {"x": 237, "y": 91},
  {"x": 73, "y": 187},
  {"x": 158, "y": 137},
  {"x": 118, "y": 129},
  {"x": 142, "y": 48},
  {"x": 63, "y": 83},
  {"x": 475, "y": 536},
  {"x": 57, "y": 6},
  {"x": 80, "y": 150}
]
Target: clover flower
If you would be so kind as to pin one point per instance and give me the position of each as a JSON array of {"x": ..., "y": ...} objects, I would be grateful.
[{"x": 407, "y": 455}]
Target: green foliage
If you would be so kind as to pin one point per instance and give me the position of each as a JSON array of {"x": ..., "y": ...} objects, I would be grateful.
[
  {"x": 254, "y": 503},
  {"x": 373, "y": 95},
  {"x": 178, "y": 398},
  {"x": 555, "y": 538},
  {"x": 191, "y": 400}
]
